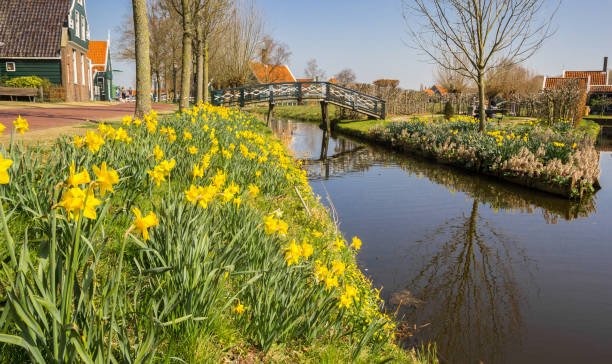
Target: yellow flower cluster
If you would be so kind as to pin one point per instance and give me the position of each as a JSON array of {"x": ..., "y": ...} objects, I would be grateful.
[
  {"x": 273, "y": 225},
  {"x": 294, "y": 252},
  {"x": 161, "y": 171}
]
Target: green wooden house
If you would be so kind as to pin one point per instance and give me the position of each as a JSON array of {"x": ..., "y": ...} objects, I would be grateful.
[
  {"x": 102, "y": 71},
  {"x": 48, "y": 39}
]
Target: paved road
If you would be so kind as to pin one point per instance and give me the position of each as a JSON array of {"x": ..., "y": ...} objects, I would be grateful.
[{"x": 41, "y": 118}]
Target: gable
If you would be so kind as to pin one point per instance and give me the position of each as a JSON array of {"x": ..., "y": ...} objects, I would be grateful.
[
  {"x": 78, "y": 26},
  {"x": 97, "y": 52},
  {"x": 32, "y": 28}
]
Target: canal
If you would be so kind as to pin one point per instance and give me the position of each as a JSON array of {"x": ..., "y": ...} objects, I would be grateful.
[{"x": 489, "y": 271}]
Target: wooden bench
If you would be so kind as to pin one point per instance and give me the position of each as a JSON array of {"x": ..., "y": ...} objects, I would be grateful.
[{"x": 21, "y": 92}]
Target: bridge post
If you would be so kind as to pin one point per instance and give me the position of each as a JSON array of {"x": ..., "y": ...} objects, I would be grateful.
[
  {"x": 242, "y": 97},
  {"x": 299, "y": 95},
  {"x": 270, "y": 112},
  {"x": 325, "y": 116},
  {"x": 383, "y": 114}
]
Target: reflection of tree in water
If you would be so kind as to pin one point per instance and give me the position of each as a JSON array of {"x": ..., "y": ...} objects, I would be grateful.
[{"x": 470, "y": 292}]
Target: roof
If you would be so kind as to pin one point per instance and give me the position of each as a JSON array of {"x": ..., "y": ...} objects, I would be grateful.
[
  {"x": 304, "y": 80},
  {"x": 97, "y": 52},
  {"x": 428, "y": 91},
  {"x": 332, "y": 80},
  {"x": 441, "y": 90},
  {"x": 266, "y": 73},
  {"x": 597, "y": 77},
  {"x": 599, "y": 88},
  {"x": 552, "y": 82},
  {"x": 32, "y": 28}
]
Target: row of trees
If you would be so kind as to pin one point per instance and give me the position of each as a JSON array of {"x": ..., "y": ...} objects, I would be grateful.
[{"x": 183, "y": 42}]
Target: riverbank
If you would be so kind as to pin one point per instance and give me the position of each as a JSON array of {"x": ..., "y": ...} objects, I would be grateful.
[
  {"x": 265, "y": 276},
  {"x": 560, "y": 161},
  {"x": 556, "y": 159}
]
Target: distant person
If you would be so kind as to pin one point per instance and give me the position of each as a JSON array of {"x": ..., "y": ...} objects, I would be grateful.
[{"x": 123, "y": 95}]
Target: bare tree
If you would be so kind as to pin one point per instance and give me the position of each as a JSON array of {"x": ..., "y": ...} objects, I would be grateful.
[
  {"x": 208, "y": 21},
  {"x": 272, "y": 54},
  {"x": 346, "y": 76},
  {"x": 143, "y": 62},
  {"x": 313, "y": 70},
  {"x": 451, "y": 80},
  {"x": 603, "y": 102},
  {"x": 472, "y": 37}
]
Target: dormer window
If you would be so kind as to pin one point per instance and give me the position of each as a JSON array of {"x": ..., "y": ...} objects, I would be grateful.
[{"x": 77, "y": 28}]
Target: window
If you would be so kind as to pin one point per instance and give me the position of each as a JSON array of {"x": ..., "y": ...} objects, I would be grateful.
[
  {"x": 10, "y": 66},
  {"x": 77, "y": 28},
  {"x": 83, "y": 32},
  {"x": 74, "y": 66},
  {"x": 83, "y": 68},
  {"x": 80, "y": 2}
]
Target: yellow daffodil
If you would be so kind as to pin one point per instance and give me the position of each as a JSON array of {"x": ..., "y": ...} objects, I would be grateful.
[
  {"x": 338, "y": 267},
  {"x": 158, "y": 153},
  {"x": 187, "y": 135},
  {"x": 94, "y": 141},
  {"x": 2, "y": 127},
  {"x": 76, "y": 200},
  {"x": 356, "y": 243},
  {"x": 106, "y": 178},
  {"x": 141, "y": 224},
  {"x": 253, "y": 190},
  {"x": 240, "y": 308},
  {"x": 338, "y": 243},
  {"x": 197, "y": 171},
  {"x": 193, "y": 150},
  {"x": 331, "y": 281},
  {"x": 237, "y": 201},
  {"x": 292, "y": 253},
  {"x": 21, "y": 125},
  {"x": 79, "y": 178},
  {"x": 258, "y": 174},
  {"x": 306, "y": 249},
  {"x": 5, "y": 164},
  {"x": 127, "y": 120}
]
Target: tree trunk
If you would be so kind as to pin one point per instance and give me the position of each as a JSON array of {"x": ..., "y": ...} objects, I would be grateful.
[
  {"x": 199, "y": 62},
  {"x": 206, "y": 81},
  {"x": 481, "y": 100},
  {"x": 187, "y": 55},
  {"x": 143, "y": 61},
  {"x": 158, "y": 77}
]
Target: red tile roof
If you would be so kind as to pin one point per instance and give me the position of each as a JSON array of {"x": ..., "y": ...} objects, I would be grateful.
[
  {"x": 597, "y": 77},
  {"x": 332, "y": 80},
  {"x": 552, "y": 82},
  {"x": 266, "y": 73},
  {"x": 428, "y": 91},
  {"x": 440, "y": 89},
  {"x": 97, "y": 52},
  {"x": 304, "y": 80},
  {"x": 606, "y": 88},
  {"x": 32, "y": 28}
]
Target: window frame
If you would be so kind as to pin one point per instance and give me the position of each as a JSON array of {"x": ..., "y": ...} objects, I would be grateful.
[
  {"x": 77, "y": 25},
  {"x": 8, "y": 69},
  {"x": 74, "y": 67}
]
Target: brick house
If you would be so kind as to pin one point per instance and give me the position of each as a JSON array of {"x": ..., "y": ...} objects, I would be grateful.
[{"x": 48, "y": 39}]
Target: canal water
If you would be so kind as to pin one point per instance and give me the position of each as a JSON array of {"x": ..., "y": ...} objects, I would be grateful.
[{"x": 489, "y": 271}]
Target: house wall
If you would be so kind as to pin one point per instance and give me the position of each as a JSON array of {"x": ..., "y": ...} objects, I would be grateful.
[
  {"x": 77, "y": 89},
  {"x": 43, "y": 68}
]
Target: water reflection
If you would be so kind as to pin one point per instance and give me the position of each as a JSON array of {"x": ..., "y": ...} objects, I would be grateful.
[
  {"x": 485, "y": 285},
  {"x": 469, "y": 288}
]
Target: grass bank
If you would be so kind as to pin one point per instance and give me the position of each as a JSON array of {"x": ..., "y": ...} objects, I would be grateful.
[
  {"x": 558, "y": 159},
  {"x": 192, "y": 237}
]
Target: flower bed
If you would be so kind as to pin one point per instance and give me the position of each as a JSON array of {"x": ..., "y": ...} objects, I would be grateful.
[
  {"x": 557, "y": 159},
  {"x": 160, "y": 237}
]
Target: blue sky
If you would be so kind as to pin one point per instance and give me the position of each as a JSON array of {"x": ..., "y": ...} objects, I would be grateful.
[{"x": 370, "y": 37}]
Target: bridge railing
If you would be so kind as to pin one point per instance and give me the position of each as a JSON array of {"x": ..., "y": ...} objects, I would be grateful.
[{"x": 300, "y": 91}]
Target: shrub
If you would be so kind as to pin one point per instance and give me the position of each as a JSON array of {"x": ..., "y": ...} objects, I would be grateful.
[
  {"x": 448, "y": 110},
  {"x": 25, "y": 82}
]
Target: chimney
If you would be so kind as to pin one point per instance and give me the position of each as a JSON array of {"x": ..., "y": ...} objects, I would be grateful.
[{"x": 605, "y": 68}]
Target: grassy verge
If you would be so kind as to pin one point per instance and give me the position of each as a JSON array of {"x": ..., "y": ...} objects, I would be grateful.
[
  {"x": 311, "y": 113},
  {"x": 193, "y": 236},
  {"x": 558, "y": 159}
]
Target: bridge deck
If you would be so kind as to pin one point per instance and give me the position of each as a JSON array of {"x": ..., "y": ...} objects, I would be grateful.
[{"x": 325, "y": 92}]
